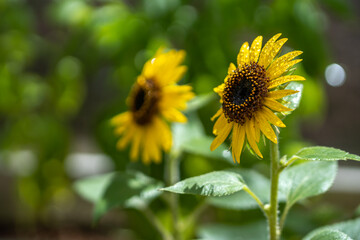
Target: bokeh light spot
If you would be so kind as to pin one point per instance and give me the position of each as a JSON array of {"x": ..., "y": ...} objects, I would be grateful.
[{"x": 335, "y": 75}]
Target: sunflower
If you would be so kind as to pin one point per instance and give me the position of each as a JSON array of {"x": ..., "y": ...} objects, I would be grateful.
[
  {"x": 250, "y": 92},
  {"x": 155, "y": 98}
]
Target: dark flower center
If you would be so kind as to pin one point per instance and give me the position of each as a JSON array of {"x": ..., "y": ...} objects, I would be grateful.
[
  {"x": 244, "y": 92},
  {"x": 144, "y": 100}
]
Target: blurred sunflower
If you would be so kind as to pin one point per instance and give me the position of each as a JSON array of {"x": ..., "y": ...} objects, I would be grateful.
[
  {"x": 154, "y": 98},
  {"x": 250, "y": 92}
]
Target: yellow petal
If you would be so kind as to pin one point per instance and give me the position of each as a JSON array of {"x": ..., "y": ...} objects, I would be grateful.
[
  {"x": 152, "y": 148},
  {"x": 217, "y": 114},
  {"x": 266, "y": 127},
  {"x": 174, "y": 115},
  {"x": 155, "y": 151},
  {"x": 120, "y": 118},
  {"x": 280, "y": 93},
  {"x": 175, "y": 96},
  {"x": 166, "y": 77},
  {"x": 278, "y": 81},
  {"x": 234, "y": 141},
  {"x": 278, "y": 62},
  {"x": 165, "y": 133},
  {"x": 165, "y": 68},
  {"x": 121, "y": 129},
  {"x": 220, "y": 123},
  {"x": 285, "y": 58},
  {"x": 231, "y": 68},
  {"x": 274, "y": 51},
  {"x": 146, "y": 155},
  {"x": 280, "y": 69},
  {"x": 124, "y": 141},
  {"x": 222, "y": 136},
  {"x": 243, "y": 56},
  {"x": 271, "y": 117},
  {"x": 256, "y": 130},
  {"x": 255, "y": 49},
  {"x": 276, "y": 106},
  {"x": 251, "y": 139},
  {"x": 220, "y": 89},
  {"x": 148, "y": 70},
  {"x": 241, "y": 141},
  {"x": 136, "y": 145},
  {"x": 177, "y": 74},
  {"x": 237, "y": 141},
  {"x": 265, "y": 55}
]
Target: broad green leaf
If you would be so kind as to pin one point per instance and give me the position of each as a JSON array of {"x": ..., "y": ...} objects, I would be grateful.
[
  {"x": 306, "y": 180},
  {"x": 255, "y": 231},
  {"x": 132, "y": 190},
  {"x": 319, "y": 153},
  {"x": 200, "y": 101},
  {"x": 258, "y": 184},
  {"x": 329, "y": 234},
  {"x": 293, "y": 101},
  {"x": 219, "y": 183},
  {"x": 350, "y": 228},
  {"x": 201, "y": 146},
  {"x": 92, "y": 188}
]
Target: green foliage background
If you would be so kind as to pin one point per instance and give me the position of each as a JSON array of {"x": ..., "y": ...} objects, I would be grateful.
[{"x": 66, "y": 67}]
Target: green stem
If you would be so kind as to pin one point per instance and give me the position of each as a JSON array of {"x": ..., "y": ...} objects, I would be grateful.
[
  {"x": 172, "y": 177},
  {"x": 157, "y": 224},
  {"x": 253, "y": 195},
  {"x": 273, "y": 209}
]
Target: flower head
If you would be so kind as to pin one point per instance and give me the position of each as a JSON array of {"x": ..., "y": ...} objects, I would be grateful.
[
  {"x": 250, "y": 92},
  {"x": 154, "y": 98}
]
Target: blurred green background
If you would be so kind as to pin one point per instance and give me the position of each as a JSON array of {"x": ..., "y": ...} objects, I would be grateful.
[{"x": 67, "y": 66}]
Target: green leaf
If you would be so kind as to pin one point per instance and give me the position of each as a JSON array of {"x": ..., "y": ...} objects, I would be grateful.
[
  {"x": 319, "y": 153},
  {"x": 306, "y": 180},
  {"x": 131, "y": 190},
  {"x": 254, "y": 231},
  {"x": 200, "y": 101},
  {"x": 329, "y": 234},
  {"x": 258, "y": 184},
  {"x": 92, "y": 188},
  {"x": 219, "y": 183},
  {"x": 350, "y": 228},
  {"x": 293, "y": 101},
  {"x": 201, "y": 146}
]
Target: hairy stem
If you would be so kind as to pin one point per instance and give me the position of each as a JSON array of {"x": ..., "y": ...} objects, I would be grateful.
[{"x": 273, "y": 209}]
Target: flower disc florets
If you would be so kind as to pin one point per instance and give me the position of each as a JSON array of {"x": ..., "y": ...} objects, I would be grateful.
[
  {"x": 244, "y": 92},
  {"x": 144, "y": 101}
]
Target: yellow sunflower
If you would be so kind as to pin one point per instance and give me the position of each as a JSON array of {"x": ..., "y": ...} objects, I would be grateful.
[
  {"x": 250, "y": 92},
  {"x": 154, "y": 98}
]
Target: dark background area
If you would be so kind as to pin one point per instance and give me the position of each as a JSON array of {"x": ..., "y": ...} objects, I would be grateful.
[{"x": 66, "y": 67}]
